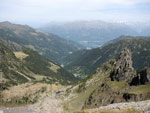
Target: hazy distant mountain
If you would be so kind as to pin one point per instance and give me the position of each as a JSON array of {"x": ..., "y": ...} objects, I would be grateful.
[
  {"x": 84, "y": 62},
  {"x": 96, "y": 33},
  {"x": 46, "y": 44}
]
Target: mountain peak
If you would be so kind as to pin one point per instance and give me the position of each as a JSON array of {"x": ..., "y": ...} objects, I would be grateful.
[
  {"x": 14, "y": 27},
  {"x": 125, "y": 59},
  {"x": 124, "y": 69},
  {"x": 5, "y": 22}
]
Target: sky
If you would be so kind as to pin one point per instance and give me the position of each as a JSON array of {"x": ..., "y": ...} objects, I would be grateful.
[{"x": 38, "y": 12}]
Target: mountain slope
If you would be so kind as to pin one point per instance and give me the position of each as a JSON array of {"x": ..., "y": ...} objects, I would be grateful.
[
  {"x": 11, "y": 45},
  {"x": 117, "y": 85},
  {"x": 29, "y": 66},
  {"x": 85, "y": 62},
  {"x": 111, "y": 83},
  {"x": 48, "y": 45}
]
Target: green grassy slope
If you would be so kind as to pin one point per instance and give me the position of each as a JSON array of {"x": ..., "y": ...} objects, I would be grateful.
[
  {"x": 48, "y": 45},
  {"x": 31, "y": 67},
  {"x": 99, "y": 90},
  {"x": 85, "y": 62}
]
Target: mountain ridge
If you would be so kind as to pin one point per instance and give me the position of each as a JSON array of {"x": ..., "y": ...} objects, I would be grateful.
[
  {"x": 46, "y": 44},
  {"x": 85, "y": 62},
  {"x": 111, "y": 83},
  {"x": 28, "y": 66}
]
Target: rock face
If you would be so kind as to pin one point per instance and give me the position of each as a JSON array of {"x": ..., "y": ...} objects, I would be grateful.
[
  {"x": 121, "y": 84},
  {"x": 142, "y": 77},
  {"x": 124, "y": 69},
  {"x": 139, "y": 106},
  {"x": 136, "y": 97},
  {"x": 104, "y": 95}
]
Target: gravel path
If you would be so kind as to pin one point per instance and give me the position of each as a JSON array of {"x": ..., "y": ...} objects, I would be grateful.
[
  {"x": 48, "y": 104},
  {"x": 141, "y": 106}
]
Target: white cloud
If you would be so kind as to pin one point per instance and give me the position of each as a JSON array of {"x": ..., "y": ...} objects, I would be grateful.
[{"x": 58, "y": 10}]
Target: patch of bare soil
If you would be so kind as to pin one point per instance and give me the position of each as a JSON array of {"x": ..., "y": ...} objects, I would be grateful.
[{"x": 49, "y": 101}]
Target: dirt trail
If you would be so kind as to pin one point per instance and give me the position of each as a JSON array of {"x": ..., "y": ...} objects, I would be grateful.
[{"x": 49, "y": 103}]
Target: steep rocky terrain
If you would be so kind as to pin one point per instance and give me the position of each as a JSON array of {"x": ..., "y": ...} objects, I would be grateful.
[
  {"x": 114, "y": 81},
  {"x": 85, "y": 62},
  {"x": 124, "y": 69},
  {"x": 144, "y": 76},
  {"x": 46, "y": 44},
  {"x": 120, "y": 88}
]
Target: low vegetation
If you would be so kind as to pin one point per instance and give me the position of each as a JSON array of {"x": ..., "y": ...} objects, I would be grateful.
[
  {"x": 140, "y": 89},
  {"x": 114, "y": 111},
  {"x": 85, "y": 62}
]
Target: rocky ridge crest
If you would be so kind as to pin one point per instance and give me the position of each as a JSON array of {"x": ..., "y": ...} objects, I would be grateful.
[
  {"x": 124, "y": 69},
  {"x": 122, "y": 84}
]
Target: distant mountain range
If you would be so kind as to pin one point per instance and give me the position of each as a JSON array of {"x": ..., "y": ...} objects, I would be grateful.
[
  {"x": 85, "y": 62},
  {"x": 46, "y": 44},
  {"x": 93, "y": 34}
]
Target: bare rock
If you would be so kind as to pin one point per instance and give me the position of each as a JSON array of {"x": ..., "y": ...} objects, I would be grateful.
[
  {"x": 142, "y": 78},
  {"x": 124, "y": 69},
  {"x": 136, "y": 97}
]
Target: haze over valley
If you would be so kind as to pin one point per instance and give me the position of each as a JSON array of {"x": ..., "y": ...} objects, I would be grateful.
[
  {"x": 75, "y": 56},
  {"x": 92, "y": 34}
]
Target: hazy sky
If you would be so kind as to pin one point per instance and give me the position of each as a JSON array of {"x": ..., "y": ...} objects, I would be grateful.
[{"x": 35, "y": 12}]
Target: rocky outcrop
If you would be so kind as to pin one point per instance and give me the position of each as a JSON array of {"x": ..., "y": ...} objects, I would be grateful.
[
  {"x": 142, "y": 77},
  {"x": 136, "y": 97},
  {"x": 142, "y": 107},
  {"x": 122, "y": 84},
  {"x": 124, "y": 69},
  {"x": 102, "y": 96}
]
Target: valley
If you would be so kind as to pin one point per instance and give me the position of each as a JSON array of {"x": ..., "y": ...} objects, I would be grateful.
[
  {"x": 42, "y": 73},
  {"x": 74, "y": 56},
  {"x": 85, "y": 62},
  {"x": 49, "y": 45},
  {"x": 96, "y": 33}
]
